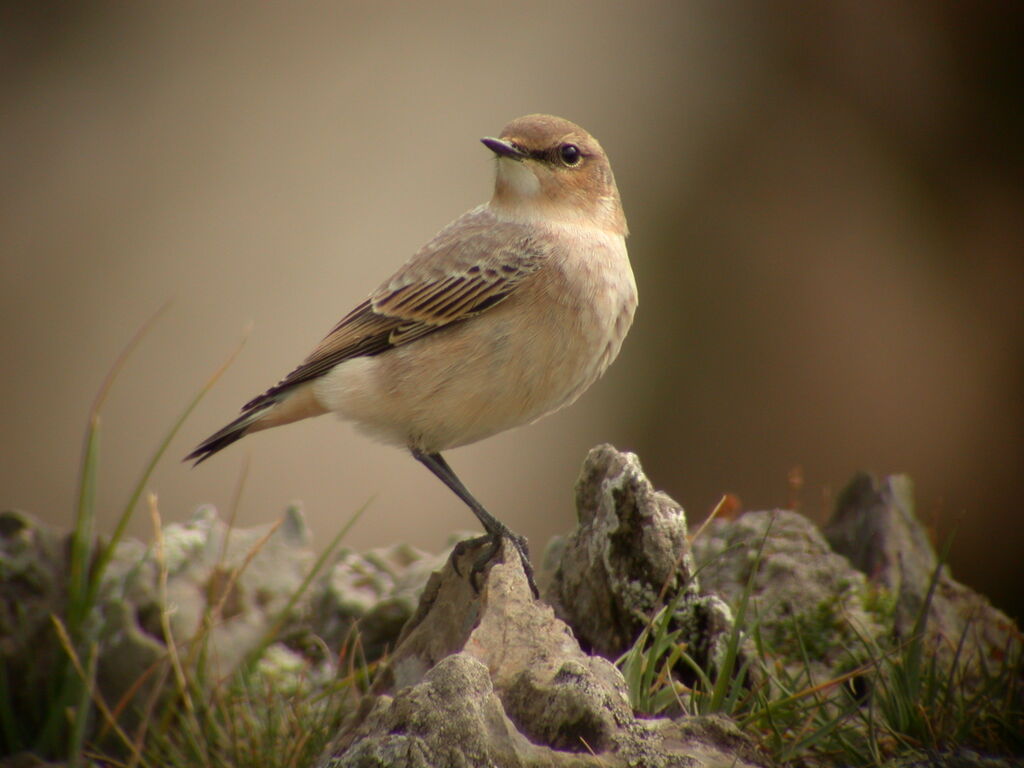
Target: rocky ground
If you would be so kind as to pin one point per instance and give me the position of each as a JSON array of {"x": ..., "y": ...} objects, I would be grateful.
[{"x": 494, "y": 677}]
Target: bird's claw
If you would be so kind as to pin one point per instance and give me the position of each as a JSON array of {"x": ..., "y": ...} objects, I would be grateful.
[{"x": 493, "y": 542}]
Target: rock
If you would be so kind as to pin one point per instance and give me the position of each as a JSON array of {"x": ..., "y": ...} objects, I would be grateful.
[
  {"x": 378, "y": 590},
  {"x": 627, "y": 557},
  {"x": 33, "y": 587},
  {"x": 451, "y": 717},
  {"x": 496, "y": 679},
  {"x": 804, "y": 596},
  {"x": 245, "y": 576},
  {"x": 874, "y": 526},
  {"x": 826, "y": 606},
  {"x": 33, "y": 584}
]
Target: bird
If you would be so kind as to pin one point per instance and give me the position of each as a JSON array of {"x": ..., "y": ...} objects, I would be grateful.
[{"x": 508, "y": 314}]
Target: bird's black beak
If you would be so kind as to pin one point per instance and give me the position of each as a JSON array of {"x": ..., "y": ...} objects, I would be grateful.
[{"x": 503, "y": 148}]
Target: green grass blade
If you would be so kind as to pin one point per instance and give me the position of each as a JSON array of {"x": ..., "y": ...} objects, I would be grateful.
[
  {"x": 79, "y": 576},
  {"x": 76, "y": 743},
  {"x": 82, "y": 534}
]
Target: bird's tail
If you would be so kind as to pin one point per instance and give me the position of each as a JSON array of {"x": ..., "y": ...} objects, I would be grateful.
[{"x": 224, "y": 437}]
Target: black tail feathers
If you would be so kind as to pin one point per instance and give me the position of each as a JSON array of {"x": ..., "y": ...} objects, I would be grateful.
[{"x": 222, "y": 438}]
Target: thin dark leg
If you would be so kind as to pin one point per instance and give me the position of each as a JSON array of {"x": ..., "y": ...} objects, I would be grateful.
[{"x": 496, "y": 530}]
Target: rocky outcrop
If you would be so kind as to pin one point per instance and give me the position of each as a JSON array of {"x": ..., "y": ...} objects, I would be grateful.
[
  {"x": 812, "y": 609},
  {"x": 628, "y": 557},
  {"x": 875, "y": 527},
  {"x": 495, "y": 677}
]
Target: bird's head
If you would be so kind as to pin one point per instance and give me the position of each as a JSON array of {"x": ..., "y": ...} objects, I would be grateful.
[{"x": 550, "y": 168}]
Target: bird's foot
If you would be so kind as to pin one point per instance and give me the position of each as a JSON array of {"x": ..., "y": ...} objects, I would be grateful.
[{"x": 493, "y": 542}]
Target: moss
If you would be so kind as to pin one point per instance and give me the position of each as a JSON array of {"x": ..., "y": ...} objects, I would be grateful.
[
  {"x": 815, "y": 631},
  {"x": 880, "y": 602}
]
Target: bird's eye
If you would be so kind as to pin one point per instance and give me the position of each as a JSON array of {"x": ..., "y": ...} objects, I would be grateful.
[{"x": 570, "y": 154}]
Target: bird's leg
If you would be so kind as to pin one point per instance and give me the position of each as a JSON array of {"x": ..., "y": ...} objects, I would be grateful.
[{"x": 496, "y": 530}]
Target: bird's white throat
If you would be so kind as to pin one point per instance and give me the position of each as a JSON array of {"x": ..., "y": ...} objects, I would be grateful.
[{"x": 520, "y": 179}]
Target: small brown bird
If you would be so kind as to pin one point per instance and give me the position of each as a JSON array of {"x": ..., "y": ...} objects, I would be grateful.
[{"x": 511, "y": 312}]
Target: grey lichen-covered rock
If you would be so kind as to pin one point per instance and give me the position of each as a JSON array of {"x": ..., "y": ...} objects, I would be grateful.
[
  {"x": 227, "y": 585},
  {"x": 34, "y": 579},
  {"x": 707, "y": 738},
  {"x": 875, "y": 527},
  {"x": 127, "y": 653},
  {"x": 452, "y": 717},
  {"x": 33, "y": 584},
  {"x": 377, "y": 590},
  {"x": 496, "y": 679},
  {"x": 628, "y": 556},
  {"x": 33, "y": 563},
  {"x": 804, "y": 597},
  {"x": 245, "y": 576}
]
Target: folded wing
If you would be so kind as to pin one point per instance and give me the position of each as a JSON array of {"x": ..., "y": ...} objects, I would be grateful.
[{"x": 467, "y": 269}]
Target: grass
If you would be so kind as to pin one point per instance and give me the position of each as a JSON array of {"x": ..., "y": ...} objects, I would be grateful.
[
  {"x": 897, "y": 701},
  {"x": 277, "y": 711},
  {"x": 272, "y": 710}
]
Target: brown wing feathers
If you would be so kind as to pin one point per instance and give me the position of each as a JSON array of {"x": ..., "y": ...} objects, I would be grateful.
[{"x": 417, "y": 301}]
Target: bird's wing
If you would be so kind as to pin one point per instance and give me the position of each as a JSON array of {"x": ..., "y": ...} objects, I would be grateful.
[{"x": 470, "y": 266}]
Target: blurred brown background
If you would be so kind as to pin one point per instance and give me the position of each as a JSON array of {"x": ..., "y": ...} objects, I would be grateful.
[{"x": 827, "y": 206}]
